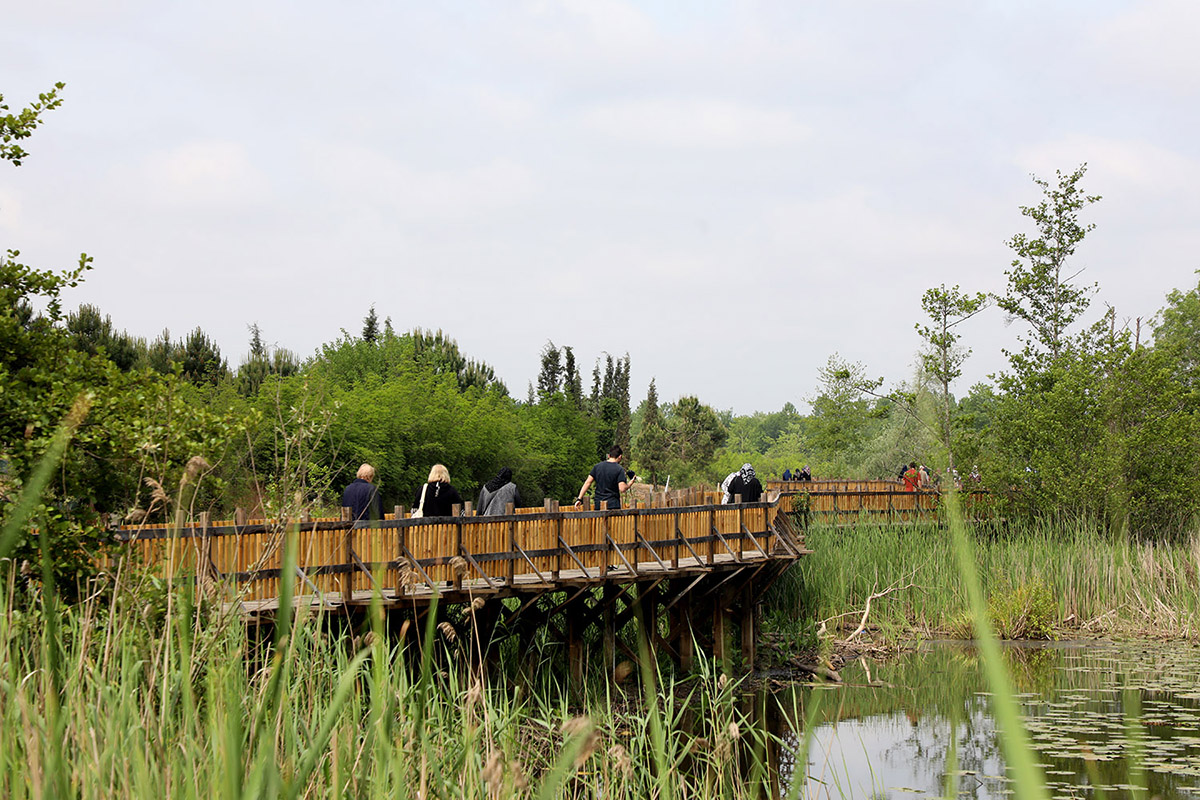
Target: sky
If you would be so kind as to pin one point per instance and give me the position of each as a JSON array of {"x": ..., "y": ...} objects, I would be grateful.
[{"x": 728, "y": 192}]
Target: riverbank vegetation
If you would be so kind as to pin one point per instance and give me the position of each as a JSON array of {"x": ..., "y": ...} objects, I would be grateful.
[
  {"x": 136, "y": 693},
  {"x": 1040, "y": 581}
]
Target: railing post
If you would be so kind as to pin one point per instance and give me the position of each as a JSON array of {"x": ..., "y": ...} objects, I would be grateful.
[
  {"x": 458, "y": 549},
  {"x": 510, "y": 569},
  {"x": 345, "y": 578}
]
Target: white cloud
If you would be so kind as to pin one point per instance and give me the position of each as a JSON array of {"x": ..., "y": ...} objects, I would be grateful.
[
  {"x": 1152, "y": 44},
  {"x": 706, "y": 123},
  {"x": 202, "y": 174},
  {"x": 364, "y": 175},
  {"x": 1118, "y": 165}
]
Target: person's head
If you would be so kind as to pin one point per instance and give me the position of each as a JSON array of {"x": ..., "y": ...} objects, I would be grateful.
[
  {"x": 615, "y": 452},
  {"x": 366, "y": 472},
  {"x": 439, "y": 474}
]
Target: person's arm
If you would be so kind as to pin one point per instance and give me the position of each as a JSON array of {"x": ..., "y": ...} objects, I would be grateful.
[
  {"x": 587, "y": 484},
  {"x": 516, "y": 496},
  {"x": 376, "y": 502}
]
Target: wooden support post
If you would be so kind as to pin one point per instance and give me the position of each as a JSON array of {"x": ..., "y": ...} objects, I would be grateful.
[
  {"x": 610, "y": 632},
  {"x": 748, "y": 626},
  {"x": 346, "y": 579},
  {"x": 575, "y": 627},
  {"x": 240, "y": 517},
  {"x": 647, "y": 623},
  {"x": 685, "y": 644},
  {"x": 720, "y": 616}
]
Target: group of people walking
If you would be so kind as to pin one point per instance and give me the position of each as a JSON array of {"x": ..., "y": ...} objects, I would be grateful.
[{"x": 609, "y": 479}]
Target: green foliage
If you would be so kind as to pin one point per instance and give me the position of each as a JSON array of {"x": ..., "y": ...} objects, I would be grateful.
[
  {"x": 15, "y": 127},
  {"x": 694, "y": 433},
  {"x": 946, "y": 309},
  {"x": 1177, "y": 333},
  {"x": 842, "y": 420},
  {"x": 1028, "y": 611},
  {"x": 1040, "y": 291},
  {"x": 653, "y": 441},
  {"x": 93, "y": 333}
]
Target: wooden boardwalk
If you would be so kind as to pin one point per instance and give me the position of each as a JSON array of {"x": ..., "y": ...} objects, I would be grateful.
[
  {"x": 846, "y": 502},
  {"x": 691, "y": 573}
]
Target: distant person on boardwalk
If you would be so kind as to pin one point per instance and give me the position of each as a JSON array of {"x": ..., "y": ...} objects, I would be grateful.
[
  {"x": 362, "y": 496},
  {"x": 497, "y": 493},
  {"x": 726, "y": 497},
  {"x": 437, "y": 497},
  {"x": 912, "y": 478},
  {"x": 611, "y": 481},
  {"x": 787, "y": 474},
  {"x": 745, "y": 485},
  {"x": 805, "y": 475}
]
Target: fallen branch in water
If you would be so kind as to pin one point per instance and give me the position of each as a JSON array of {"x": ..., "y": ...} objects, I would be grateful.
[{"x": 862, "y": 625}]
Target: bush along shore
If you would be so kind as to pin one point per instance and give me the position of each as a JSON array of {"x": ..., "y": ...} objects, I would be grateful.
[{"x": 889, "y": 585}]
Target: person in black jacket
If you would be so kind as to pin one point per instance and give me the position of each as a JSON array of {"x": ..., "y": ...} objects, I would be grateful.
[
  {"x": 362, "y": 496},
  {"x": 440, "y": 496},
  {"x": 746, "y": 484}
]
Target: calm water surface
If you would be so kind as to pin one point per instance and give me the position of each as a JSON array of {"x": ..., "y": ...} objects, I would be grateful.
[{"x": 1106, "y": 719}]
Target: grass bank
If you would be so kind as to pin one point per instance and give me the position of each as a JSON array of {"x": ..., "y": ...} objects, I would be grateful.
[
  {"x": 1043, "y": 580},
  {"x": 125, "y": 697}
]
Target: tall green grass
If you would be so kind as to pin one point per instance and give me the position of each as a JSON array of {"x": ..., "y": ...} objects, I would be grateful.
[
  {"x": 114, "y": 700},
  {"x": 1097, "y": 583}
]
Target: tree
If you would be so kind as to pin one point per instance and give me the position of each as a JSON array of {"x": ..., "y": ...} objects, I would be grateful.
[
  {"x": 93, "y": 333},
  {"x": 201, "y": 359},
  {"x": 370, "y": 330},
  {"x": 572, "y": 383},
  {"x": 1040, "y": 291},
  {"x": 652, "y": 440},
  {"x": 550, "y": 377},
  {"x": 15, "y": 127},
  {"x": 841, "y": 419},
  {"x": 946, "y": 308},
  {"x": 1177, "y": 332},
  {"x": 695, "y": 434}
]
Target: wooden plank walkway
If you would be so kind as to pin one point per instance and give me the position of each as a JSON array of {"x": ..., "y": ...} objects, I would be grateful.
[{"x": 673, "y": 571}]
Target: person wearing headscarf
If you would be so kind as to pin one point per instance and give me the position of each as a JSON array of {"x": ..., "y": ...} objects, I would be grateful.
[
  {"x": 726, "y": 497},
  {"x": 746, "y": 485},
  {"x": 497, "y": 493}
]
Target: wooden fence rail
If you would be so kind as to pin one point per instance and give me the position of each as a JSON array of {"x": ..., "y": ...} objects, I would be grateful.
[
  {"x": 847, "y": 503},
  {"x": 408, "y": 560}
]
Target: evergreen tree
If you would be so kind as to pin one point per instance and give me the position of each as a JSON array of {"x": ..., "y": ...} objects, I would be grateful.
[
  {"x": 653, "y": 441},
  {"x": 201, "y": 359},
  {"x": 572, "y": 383},
  {"x": 551, "y": 375},
  {"x": 370, "y": 330}
]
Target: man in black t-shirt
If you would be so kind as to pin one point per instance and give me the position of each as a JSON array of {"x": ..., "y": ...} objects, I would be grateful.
[{"x": 610, "y": 479}]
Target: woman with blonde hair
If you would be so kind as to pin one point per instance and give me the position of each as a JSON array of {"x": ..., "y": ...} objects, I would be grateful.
[{"x": 437, "y": 498}]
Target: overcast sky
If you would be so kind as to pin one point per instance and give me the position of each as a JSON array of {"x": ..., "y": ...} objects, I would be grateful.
[{"x": 728, "y": 192}]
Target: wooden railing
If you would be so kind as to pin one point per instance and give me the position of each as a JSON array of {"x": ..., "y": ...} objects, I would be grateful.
[
  {"x": 411, "y": 558},
  {"x": 841, "y": 502}
]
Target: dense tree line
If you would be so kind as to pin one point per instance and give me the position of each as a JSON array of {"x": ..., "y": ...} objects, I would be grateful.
[{"x": 1088, "y": 420}]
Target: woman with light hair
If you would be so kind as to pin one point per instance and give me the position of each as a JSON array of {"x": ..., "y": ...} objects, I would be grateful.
[{"x": 437, "y": 498}]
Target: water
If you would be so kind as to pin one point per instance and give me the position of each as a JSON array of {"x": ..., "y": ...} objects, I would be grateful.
[{"x": 1106, "y": 719}]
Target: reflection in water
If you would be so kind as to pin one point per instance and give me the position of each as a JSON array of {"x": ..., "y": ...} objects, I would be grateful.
[{"x": 1103, "y": 716}]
